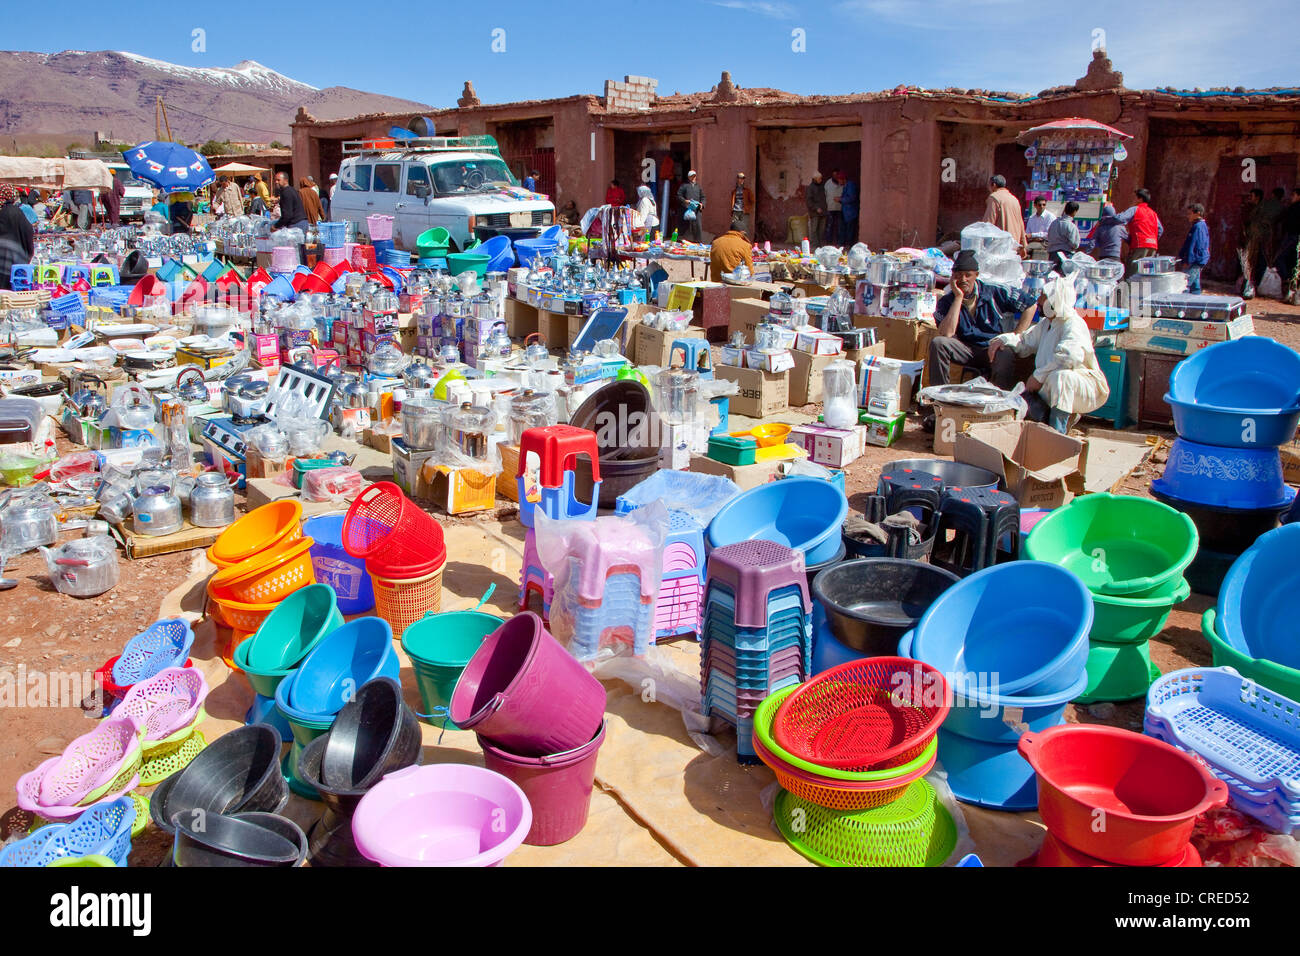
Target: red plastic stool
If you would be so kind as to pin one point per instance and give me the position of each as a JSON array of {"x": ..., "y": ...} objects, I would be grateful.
[{"x": 558, "y": 448}]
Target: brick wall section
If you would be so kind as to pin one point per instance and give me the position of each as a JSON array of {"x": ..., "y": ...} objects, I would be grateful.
[{"x": 634, "y": 93}]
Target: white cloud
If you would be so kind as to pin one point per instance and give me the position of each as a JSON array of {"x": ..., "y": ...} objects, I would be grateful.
[{"x": 775, "y": 10}]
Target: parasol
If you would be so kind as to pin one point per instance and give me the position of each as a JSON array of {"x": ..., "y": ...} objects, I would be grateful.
[
  {"x": 239, "y": 169},
  {"x": 1072, "y": 124},
  {"x": 171, "y": 167}
]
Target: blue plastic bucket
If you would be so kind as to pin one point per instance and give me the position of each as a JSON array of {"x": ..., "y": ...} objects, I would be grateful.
[{"x": 335, "y": 567}]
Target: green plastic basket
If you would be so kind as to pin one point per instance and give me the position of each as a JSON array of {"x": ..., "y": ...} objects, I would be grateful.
[
  {"x": 915, "y": 830},
  {"x": 1118, "y": 672},
  {"x": 766, "y": 713}
]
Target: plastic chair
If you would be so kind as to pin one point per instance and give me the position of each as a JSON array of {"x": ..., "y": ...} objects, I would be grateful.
[
  {"x": 557, "y": 448},
  {"x": 967, "y": 550},
  {"x": 21, "y": 277},
  {"x": 694, "y": 355}
]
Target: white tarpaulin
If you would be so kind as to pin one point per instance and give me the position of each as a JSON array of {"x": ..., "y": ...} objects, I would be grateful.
[{"x": 55, "y": 173}]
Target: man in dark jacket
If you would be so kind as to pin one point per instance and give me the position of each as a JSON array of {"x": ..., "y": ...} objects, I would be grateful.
[
  {"x": 815, "y": 196},
  {"x": 292, "y": 213},
  {"x": 17, "y": 241},
  {"x": 81, "y": 203},
  {"x": 1108, "y": 236},
  {"x": 691, "y": 199},
  {"x": 113, "y": 202}
]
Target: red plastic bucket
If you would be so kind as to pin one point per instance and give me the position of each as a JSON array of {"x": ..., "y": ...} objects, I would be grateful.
[
  {"x": 526, "y": 694},
  {"x": 558, "y": 787},
  {"x": 1119, "y": 796},
  {"x": 392, "y": 534}
]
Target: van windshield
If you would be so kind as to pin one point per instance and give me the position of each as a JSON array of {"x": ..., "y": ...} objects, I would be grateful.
[
  {"x": 126, "y": 179},
  {"x": 471, "y": 175}
]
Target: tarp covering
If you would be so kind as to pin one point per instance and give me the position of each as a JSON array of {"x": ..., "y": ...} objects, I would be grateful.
[{"x": 55, "y": 173}]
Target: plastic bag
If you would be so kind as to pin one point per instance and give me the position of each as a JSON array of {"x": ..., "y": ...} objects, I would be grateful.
[
  {"x": 340, "y": 483},
  {"x": 977, "y": 393},
  {"x": 604, "y": 571},
  {"x": 698, "y": 495},
  {"x": 1271, "y": 284},
  {"x": 287, "y": 237}
]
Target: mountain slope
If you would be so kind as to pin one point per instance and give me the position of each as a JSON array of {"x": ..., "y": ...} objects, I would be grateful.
[{"x": 57, "y": 97}]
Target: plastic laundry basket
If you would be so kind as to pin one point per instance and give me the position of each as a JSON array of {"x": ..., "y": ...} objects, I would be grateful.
[
  {"x": 379, "y": 227},
  {"x": 403, "y": 601}
]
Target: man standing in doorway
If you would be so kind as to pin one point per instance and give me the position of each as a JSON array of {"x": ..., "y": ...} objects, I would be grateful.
[
  {"x": 834, "y": 211},
  {"x": 848, "y": 211},
  {"x": 530, "y": 181},
  {"x": 1003, "y": 210},
  {"x": 691, "y": 199},
  {"x": 1144, "y": 229},
  {"x": 815, "y": 197},
  {"x": 742, "y": 204}
]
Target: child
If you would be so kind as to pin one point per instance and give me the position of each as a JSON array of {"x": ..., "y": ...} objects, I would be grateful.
[{"x": 1196, "y": 247}]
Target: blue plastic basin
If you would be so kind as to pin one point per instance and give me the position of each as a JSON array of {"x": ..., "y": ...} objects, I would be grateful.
[
  {"x": 1016, "y": 628},
  {"x": 1239, "y": 394},
  {"x": 344, "y": 660},
  {"x": 1224, "y": 477},
  {"x": 1255, "y": 614},
  {"x": 335, "y": 567},
  {"x": 802, "y": 513},
  {"x": 993, "y": 776}
]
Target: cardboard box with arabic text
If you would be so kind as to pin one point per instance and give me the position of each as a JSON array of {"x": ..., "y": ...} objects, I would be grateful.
[{"x": 1042, "y": 468}]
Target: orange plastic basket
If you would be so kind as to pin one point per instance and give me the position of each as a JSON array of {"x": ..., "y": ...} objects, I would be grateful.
[
  {"x": 402, "y": 602},
  {"x": 868, "y": 714},
  {"x": 244, "y": 617},
  {"x": 267, "y": 577},
  {"x": 838, "y": 794},
  {"x": 263, "y": 528}
]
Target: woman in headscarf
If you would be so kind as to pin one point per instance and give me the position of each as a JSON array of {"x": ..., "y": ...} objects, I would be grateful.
[
  {"x": 310, "y": 201},
  {"x": 1067, "y": 381},
  {"x": 17, "y": 240},
  {"x": 646, "y": 215}
]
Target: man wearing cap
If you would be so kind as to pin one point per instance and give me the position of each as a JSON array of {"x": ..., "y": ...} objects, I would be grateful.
[
  {"x": 815, "y": 196},
  {"x": 742, "y": 203},
  {"x": 969, "y": 316},
  {"x": 691, "y": 199},
  {"x": 334, "y": 185}
]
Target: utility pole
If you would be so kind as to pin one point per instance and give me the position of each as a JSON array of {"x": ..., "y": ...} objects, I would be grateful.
[{"x": 160, "y": 120}]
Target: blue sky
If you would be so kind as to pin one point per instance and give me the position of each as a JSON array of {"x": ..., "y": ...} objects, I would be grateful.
[{"x": 851, "y": 45}]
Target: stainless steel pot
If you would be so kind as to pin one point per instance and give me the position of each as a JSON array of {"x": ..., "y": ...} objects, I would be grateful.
[{"x": 212, "y": 502}]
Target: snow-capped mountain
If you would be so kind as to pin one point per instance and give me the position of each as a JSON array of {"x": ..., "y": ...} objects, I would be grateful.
[{"x": 53, "y": 98}]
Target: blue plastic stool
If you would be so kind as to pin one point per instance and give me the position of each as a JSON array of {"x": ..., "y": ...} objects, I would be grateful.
[
  {"x": 723, "y": 404},
  {"x": 21, "y": 277},
  {"x": 693, "y": 352},
  {"x": 75, "y": 272},
  {"x": 559, "y": 503}
]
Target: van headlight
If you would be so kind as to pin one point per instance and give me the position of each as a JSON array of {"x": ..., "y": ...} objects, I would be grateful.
[{"x": 547, "y": 217}]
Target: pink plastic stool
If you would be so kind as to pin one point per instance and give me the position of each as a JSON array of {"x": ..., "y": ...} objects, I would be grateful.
[
  {"x": 534, "y": 577},
  {"x": 753, "y": 570},
  {"x": 612, "y": 545}
]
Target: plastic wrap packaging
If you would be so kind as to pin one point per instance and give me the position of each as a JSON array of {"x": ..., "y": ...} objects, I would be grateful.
[
  {"x": 996, "y": 252},
  {"x": 288, "y": 237},
  {"x": 977, "y": 393},
  {"x": 597, "y": 604},
  {"x": 340, "y": 483},
  {"x": 698, "y": 495}
]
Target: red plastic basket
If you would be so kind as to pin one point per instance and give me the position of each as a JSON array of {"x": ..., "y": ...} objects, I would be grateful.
[
  {"x": 868, "y": 714},
  {"x": 392, "y": 534}
]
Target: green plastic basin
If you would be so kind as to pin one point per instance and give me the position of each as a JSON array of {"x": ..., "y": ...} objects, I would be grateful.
[{"x": 1136, "y": 619}]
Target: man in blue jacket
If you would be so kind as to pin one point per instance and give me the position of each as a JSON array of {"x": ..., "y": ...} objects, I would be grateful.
[{"x": 1196, "y": 247}]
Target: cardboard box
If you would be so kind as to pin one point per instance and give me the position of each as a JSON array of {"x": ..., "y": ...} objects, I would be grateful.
[
  {"x": 1211, "y": 331},
  {"x": 408, "y": 467},
  {"x": 818, "y": 343},
  {"x": 745, "y": 476},
  {"x": 908, "y": 339},
  {"x": 554, "y": 328},
  {"x": 745, "y": 316},
  {"x": 951, "y": 420},
  {"x": 832, "y": 447},
  {"x": 1041, "y": 467},
  {"x": 1290, "y": 453},
  {"x": 806, "y": 377},
  {"x": 761, "y": 393},
  {"x": 460, "y": 490},
  {"x": 653, "y": 346},
  {"x": 883, "y": 431},
  {"x": 780, "y": 361}
]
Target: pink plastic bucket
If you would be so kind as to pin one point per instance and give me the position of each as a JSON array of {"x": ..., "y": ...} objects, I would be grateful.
[
  {"x": 558, "y": 787},
  {"x": 445, "y": 814},
  {"x": 525, "y": 693}
]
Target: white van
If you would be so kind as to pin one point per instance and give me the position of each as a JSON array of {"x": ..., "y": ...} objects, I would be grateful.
[
  {"x": 139, "y": 194},
  {"x": 459, "y": 183}
]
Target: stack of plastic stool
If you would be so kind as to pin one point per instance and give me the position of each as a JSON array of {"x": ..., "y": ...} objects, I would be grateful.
[
  {"x": 756, "y": 636},
  {"x": 978, "y": 521},
  {"x": 680, "y": 604},
  {"x": 22, "y": 278},
  {"x": 613, "y": 567}
]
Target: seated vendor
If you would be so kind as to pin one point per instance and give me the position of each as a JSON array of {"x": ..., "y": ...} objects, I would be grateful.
[
  {"x": 729, "y": 250},
  {"x": 968, "y": 316},
  {"x": 1067, "y": 381}
]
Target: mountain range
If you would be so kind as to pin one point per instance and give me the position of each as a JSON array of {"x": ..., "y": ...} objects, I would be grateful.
[{"x": 51, "y": 99}]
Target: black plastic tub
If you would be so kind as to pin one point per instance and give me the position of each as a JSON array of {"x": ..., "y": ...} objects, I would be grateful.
[
  {"x": 1226, "y": 530},
  {"x": 243, "y": 839},
  {"x": 1208, "y": 569},
  {"x": 954, "y": 474},
  {"x": 239, "y": 771},
  {"x": 871, "y": 602},
  {"x": 618, "y": 475},
  {"x": 330, "y": 842},
  {"x": 620, "y": 414},
  {"x": 374, "y": 734}
]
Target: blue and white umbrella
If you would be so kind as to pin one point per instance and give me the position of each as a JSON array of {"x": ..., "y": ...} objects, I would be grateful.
[{"x": 171, "y": 167}]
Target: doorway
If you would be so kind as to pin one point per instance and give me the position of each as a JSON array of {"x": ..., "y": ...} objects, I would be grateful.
[
  {"x": 1225, "y": 213},
  {"x": 846, "y": 156}
]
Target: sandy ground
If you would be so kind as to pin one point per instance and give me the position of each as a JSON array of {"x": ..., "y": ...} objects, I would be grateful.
[{"x": 660, "y": 799}]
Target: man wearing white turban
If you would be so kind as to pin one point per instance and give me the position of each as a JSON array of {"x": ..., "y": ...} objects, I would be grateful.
[{"x": 1067, "y": 381}]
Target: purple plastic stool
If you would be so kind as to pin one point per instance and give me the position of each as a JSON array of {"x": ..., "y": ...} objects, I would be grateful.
[
  {"x": 754, "y": 569},
  {"x": 533, "y": 576}
]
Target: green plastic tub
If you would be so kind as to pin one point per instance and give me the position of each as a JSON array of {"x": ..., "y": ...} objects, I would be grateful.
[
  {"x": 458, "y": 262},
  {"x": 439, "y": 646},
  {"x": 433, "y": 243},
  {"x": 1285, "y": 680},
  {"x": 1118, "y": 672},
  {"x": 1136, "y": 619},
  {"x": 1116, "y": 544}
]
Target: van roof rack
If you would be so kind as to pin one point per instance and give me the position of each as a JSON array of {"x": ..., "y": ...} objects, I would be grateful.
[{"x": 420, "y": 144}]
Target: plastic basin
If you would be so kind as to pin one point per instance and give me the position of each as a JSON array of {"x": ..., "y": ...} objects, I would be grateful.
[
  {"x": 1238, "y": 394},
  {"x": 1239, "y": 478},
  {"x": 1016, "y": 628},
  {"x": 242, "y": 839},
  {"x": 1225, "y": 530},
  {"x": 335, "y": 567},
  {"x": 530, "y": 249},
  {"x": 1115, "y": 544},
  {"x": 870, "y": 602},
  {"x": 500, "y": 253},
  {"x": 343, "y": 662},
  {"x": 989, "y": 775},
  {"x": 445, "y": 814},
  {"x": 1119, "y": 672},
  {"x": 439, "y": 646},
  {"x": 1132, "y": 620},
  {"x": 1148, "y": 793},
  {"x": 1254, "y": 609},
  {"x": 476, "y": 262},
  {"x": 1285, "y": 680},
  {"x": 525, "y": 693},
  {"x": 260, "y": 529},
  {"x": 290, "y": 632},
  {"x": 374, "y": 733},
  {"x": 237, "y": 771},
  {"x": 558, "y": 787},
  {"x": 802, "y": 513}
]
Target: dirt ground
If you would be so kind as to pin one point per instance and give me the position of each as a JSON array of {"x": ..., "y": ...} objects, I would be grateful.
[{"x": 44, "y": 631}]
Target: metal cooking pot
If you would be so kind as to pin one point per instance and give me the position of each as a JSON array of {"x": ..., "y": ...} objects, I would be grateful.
[
  {"x": 244, "y": 396},
  {"x": 881, "y": 270},
  {"x": 157, "y": 512},
  {"x": 212, "y": 502}
]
